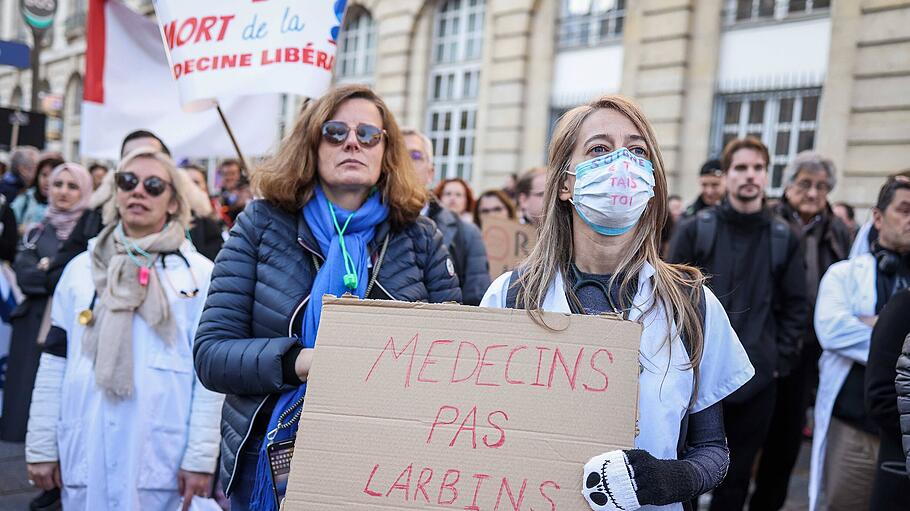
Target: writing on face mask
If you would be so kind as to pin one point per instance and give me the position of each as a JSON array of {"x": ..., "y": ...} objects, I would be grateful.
[{"x": 613, "y": 190}]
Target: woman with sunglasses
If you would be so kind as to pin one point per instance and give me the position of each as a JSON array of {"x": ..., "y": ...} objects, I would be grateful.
[
  {"x": 70, "y": 189},
  {"x": 605, "y": 203},
  {"x": 118, "y": 419},
  {"x": 340, "y": 213}
]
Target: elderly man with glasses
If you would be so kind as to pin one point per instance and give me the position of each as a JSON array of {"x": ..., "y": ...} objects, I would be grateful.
[{"x": 809, "y": 178}]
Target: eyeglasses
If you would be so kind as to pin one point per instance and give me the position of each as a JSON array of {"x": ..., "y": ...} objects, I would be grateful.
[
  {"x": 336, "y": 132},
  {"x": 820, "y": 187},
  {"x": 416, "y": 155},
  {"x": 128, "y": 181},
  {"x": 494, "y": 209}
]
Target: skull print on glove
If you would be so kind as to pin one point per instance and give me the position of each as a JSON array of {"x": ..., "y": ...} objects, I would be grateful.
[{"x": 609, "y": 483}]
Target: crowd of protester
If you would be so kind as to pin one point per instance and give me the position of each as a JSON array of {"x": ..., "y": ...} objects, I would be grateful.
[{"x": 166, "y": 326}]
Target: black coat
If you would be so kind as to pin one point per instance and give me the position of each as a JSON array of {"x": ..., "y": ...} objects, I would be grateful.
[
  {"x": 245, "y": 347},
  {"x": 206, "y": 236},
  {"x": 465, "y": 244},
  {"x": 37, "y": 285},
  {"x": 9, "y": 231},
  {"x": 834, "y": 242},
  {"x": 768, "y": 311}
]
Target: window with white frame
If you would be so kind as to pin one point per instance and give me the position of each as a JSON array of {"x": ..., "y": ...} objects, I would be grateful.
[
  {"x": 453, "y": 84},
  {"x": 584, "y": 23},
  {"x": 743, "y": 11},
  {"x": 356, "y": 59},
  {"x": 786, "y": 121}
]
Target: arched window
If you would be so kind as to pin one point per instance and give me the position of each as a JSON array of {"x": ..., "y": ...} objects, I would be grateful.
[
  {"x": 454, "y": 79},
  {"x": 357, "y": 47}
]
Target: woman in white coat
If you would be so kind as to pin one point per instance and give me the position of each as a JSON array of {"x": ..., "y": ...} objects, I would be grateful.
[
  {"x": 118, "y": 418},
  {"x": 598, "y": 252}
]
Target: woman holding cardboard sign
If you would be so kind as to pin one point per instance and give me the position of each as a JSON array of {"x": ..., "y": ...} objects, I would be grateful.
[
  {"x": 340, "y": 214},
  {"x": 598, "y": 252}
]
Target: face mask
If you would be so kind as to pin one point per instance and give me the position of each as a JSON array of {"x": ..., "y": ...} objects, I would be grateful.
[{"x": 613, "y": 190}]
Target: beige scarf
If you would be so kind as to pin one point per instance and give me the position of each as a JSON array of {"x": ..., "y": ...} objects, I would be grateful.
[{"x": 109, "y": 340}]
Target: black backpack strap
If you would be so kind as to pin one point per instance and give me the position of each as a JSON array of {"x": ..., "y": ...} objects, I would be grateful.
[
  {"x": 684, "y": 424},
  {"x": 780, "y": 237},
  {"x": 458, "y": 252},
  {"x": 705, "y": 232},
  {"x": 512, "y": 291}
]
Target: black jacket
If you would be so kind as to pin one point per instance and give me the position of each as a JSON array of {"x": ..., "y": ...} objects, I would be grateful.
[
  {"x": 245, "y": 347},
  {"x": 888, "y": 336},
  {"x": 9, "y": 231},
  {"x": 697, "y": 205},
  {"x": 10, "y": 185},
  {"x": 465, "y": 244},
  {"x": 767, "y": 311},
  {"x": 37, "y": 285},
  {"x": 902, "y": 385},
  {"x": 206, "y": 236},
  {"x": 833, "y": 241}
]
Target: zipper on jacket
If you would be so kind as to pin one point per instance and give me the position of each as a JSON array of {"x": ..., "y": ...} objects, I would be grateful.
[
  {"x": 230, "y": 486},
  {"x": 249, "y": 430}
]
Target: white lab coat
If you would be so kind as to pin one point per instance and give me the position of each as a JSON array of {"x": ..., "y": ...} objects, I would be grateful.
[
  {"x": 124, "y": 454},
  {"x": 665, "y": 384},
  {"x": 846, "y": 292},
  {"x": 861, "y": 242}
]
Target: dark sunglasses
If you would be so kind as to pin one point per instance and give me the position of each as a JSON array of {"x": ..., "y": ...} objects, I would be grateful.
[
  {"x": 336, "y": 132},
  {"x": 154, "y": 185}
]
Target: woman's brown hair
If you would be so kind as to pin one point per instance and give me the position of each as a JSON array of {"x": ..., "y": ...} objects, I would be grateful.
[
  {"x": 288, "y": 178},
  {"x": 468, "y": 194},
  {"x": 503, "y": 198},
  {"x": 676, "y": 287}
]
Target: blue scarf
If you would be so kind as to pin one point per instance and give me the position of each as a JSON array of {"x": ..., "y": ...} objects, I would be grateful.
[{"x": 358, "y": 227}]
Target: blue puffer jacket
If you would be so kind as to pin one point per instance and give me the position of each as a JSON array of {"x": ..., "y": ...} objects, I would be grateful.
[{"x": 260, "y": 284}]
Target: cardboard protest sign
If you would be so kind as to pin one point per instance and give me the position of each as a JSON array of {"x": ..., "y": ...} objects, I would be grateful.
[
  {"x": 508, "y": 243},
  {"x": 220, "y": 48},
  {"x": 430, "y": 406}
]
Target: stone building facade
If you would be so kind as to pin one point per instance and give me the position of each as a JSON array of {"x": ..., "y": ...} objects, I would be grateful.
[{"x": 486, "y": 79}]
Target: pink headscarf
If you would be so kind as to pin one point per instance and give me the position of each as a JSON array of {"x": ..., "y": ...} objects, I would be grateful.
[{"x": 64, "y": 220}]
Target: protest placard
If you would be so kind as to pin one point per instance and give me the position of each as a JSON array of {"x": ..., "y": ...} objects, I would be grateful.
[
  {"x": 219, "y": 48},
  {"x": 419, "y": 406},
  {"x": 508, "y": 243}
]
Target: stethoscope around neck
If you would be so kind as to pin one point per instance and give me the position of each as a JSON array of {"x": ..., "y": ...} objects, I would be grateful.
[
  {"x": 87, "y": 316},
  {"x": 579, "y": 281}
]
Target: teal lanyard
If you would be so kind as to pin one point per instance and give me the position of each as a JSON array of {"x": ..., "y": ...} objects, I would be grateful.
[
  {"x": 132, "y": 249},
  {"x": 350, "y": 276}
]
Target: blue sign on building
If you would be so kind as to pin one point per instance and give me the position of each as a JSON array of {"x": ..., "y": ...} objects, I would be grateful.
[{"x": 14, "y": 54}]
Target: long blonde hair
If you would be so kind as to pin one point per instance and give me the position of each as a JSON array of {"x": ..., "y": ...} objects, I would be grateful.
[
  {"x": 288, "y": 179},
  {"x": 676, "y": 286}
]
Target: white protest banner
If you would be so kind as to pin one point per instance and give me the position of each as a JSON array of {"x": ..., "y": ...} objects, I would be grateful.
[
  {"x": 128, "y": 86},
  {"x": 218, "y": 47}
]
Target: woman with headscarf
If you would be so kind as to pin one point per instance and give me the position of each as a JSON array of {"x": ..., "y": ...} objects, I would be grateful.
[
  {"x": 70, "y": 189},
  {"x": 340, "y": 213},
  {"x": 118, "y": 418}
]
